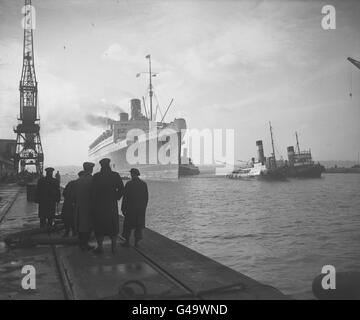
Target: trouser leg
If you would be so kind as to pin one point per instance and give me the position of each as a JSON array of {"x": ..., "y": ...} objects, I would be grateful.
[
  {"x": 72, "y": 226},
  {"x": 127, "y": 233},
  {"x": 86, "y": 237},
  {"x": 99, "y": 240},
  {"x": 83, "y": 239},
  {"x": 42, "y": 222},
  {"x": 49, "y": 222},
  {"x": 138, "y": 234},
  {"x": 113, "y": 243}
]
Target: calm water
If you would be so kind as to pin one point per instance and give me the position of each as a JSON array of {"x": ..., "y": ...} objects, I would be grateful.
[{"x": 280, "y": 233}]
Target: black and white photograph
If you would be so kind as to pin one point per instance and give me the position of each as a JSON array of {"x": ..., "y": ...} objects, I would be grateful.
[{"x": 198, "y": 152}]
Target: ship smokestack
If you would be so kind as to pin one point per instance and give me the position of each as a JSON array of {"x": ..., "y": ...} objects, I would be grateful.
[
  {"x": 291, "y": 155},
  {"x": 124, "y": 116},
  {"x": 135, "y": 109},
  {"x": 261, "y": 157}
]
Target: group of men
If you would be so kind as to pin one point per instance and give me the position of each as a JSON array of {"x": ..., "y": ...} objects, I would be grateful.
[{"x": 91, "y": 204}]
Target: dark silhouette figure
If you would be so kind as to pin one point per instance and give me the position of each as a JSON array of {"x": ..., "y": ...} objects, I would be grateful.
[
  {"x": 68, "y": 208},
  {"x": 133, "y": 206},
  {"x": 47, "y": 196},
  {"x": 57, "y": 176},
  {"x": 107, "y": 190},
  {"x": 83, "y": 206}
]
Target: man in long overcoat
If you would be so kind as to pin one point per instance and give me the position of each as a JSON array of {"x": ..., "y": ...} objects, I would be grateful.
[
  {"x": 108, "y": 189},
  {"x": 68, "y": 208},
  {"x": 47, "y": 196},
  {"x": 83, "y": 206},
  {"x": 133, "y": 206}
]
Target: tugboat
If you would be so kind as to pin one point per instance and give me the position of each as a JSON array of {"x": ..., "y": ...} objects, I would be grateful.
[
  {"x": 264, "y": 168},
  {"x": 188, "y": 169},
  {"x": 300, "y": 163}
]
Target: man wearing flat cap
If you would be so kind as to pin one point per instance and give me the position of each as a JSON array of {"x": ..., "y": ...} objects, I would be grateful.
[
  {"x": 83, "y": 206},
  {"x": 68, "y": 208},
  {"x": 47, "y": 196},
  {"x": 108, "y": 189},
  {"x": 134, "y": 206}
]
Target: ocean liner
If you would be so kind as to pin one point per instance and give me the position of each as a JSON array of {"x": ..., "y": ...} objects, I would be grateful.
[{"x": 154, "y": 147}]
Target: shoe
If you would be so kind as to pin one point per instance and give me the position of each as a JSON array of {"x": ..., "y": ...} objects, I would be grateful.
[{"x": 99, "y": 250}]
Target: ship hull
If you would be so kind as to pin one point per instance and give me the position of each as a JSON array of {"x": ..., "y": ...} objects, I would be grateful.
[
  {"x": 259, "y": 172},
  {"x": 186, "y": 170},
  {"x": 306, "y": 171},
  {"x": 118, "y": 155}
]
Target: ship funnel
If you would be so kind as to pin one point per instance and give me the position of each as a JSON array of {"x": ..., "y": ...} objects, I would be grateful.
[
  {"x": 135, "y": 109},
  {"x": 124, "y": 116},
  {"x": 261, "y": 157},
  {"x": 291, "y": 155},
  {"x": 180, "y": 124}
]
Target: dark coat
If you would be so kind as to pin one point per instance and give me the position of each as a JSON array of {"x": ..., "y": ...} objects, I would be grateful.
[
  {"x": 47, "y": 195},
  {"x": 83, "y": 204},
  {"x": 107, "y": 190},
  {"x": 68, "y": 208},
  {"x": 134, "y": 203}
]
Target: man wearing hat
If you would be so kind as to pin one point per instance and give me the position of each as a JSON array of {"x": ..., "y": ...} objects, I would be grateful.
[
  {"x": 47, "y": 196},
  {"x": 134, "y": 207},
  {"x": 83, "y": 206},
  {"x": 108, "y": 189},
  {"x": 68, "y": 208}
]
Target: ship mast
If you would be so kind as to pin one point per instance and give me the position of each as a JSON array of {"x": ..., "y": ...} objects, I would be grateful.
[
  {"x": 150, "y": 86},
  {"x": 272, "y": 144},
  {"x": 297, "y": 142}
]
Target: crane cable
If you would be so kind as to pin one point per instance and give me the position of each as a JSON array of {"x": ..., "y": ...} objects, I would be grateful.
[{"x": 350, "y": 76}]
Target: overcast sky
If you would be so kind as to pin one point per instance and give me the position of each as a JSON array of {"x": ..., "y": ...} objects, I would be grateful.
[{"x": 227, "y": 64}]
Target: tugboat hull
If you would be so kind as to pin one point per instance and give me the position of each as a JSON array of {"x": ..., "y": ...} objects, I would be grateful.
[{"x": 308, "y": 171}]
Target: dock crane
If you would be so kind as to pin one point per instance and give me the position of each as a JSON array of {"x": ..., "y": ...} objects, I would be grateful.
[
  {"x": 29, "y": 150},
  {"x": 356, "y": 64}
]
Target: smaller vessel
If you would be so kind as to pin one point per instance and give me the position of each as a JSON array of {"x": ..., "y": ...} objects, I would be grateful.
[
  {"x": 264, "y": 168},
  {"x": 257, "y": 170},
  {"x": 188, "y": 169},
  {"x": 301, "y": 165}
]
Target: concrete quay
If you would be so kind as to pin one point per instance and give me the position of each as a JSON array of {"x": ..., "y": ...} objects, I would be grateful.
[{"x": 158, "y": 269}]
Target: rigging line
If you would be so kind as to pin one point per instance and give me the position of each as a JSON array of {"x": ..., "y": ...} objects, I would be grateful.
[
  {"x": 143, "y": 99},
  {"x": 158, "y": 105}
]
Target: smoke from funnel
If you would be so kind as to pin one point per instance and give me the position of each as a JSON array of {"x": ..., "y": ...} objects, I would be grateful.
[{"x": 97, "y": 121}]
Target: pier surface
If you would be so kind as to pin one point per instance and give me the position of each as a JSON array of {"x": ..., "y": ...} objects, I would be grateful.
[{"x": 159, "y": 268}]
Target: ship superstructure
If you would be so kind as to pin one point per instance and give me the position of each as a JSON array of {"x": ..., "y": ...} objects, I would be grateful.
[{"x": 300, "y": 163}]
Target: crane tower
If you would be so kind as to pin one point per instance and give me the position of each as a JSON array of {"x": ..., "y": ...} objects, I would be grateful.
[{"x": 28, "y": 144}]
